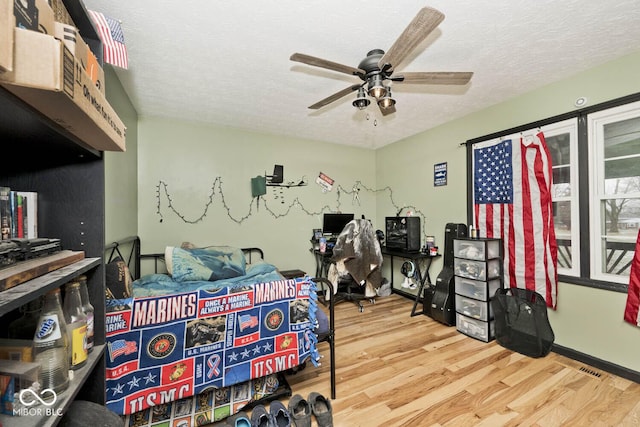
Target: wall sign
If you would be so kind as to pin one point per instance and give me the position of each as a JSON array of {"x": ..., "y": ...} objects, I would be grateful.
[{"x": 440, "y": 174}]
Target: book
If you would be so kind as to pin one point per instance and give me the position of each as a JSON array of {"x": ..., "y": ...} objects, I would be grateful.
[
  {"x": 19, "y": 216},
  {"x": 30, "y": 213},
  {"x": 5, "y": 213}
]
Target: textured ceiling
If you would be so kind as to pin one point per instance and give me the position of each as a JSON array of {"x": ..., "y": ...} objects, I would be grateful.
[{"x": 227, "y": 62}]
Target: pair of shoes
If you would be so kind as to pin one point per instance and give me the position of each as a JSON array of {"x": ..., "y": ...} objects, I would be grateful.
[
  {"x": 241, "y": 419},
  {"x": 316, "y": 404},
  {"x": 278, "y": 417},
  {"x": 321, "y": 408}
]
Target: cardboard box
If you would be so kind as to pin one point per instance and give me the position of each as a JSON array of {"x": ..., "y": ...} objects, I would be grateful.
[
  {"x": 7, "y": 22},
  {"x": 72, "y": 39},
  {"x": 13, "y": 349},
  {"x": 35, "y": 15},
  {"x": 47, "y": 76},
  {"x": 91, "y": 65}
]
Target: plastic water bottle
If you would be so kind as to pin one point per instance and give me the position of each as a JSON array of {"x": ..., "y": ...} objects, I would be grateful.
[
  {"x": 88, "y": 310},
  {"x": 50, "y": 345},
  {"x": 76, "y": 324}
]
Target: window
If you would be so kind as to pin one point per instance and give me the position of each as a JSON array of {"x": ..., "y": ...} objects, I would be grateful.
[{"x": 614, "y": 169}]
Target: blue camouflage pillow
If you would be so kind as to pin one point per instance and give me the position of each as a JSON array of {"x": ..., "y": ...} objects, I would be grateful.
[{"x": 211, "y": 263}]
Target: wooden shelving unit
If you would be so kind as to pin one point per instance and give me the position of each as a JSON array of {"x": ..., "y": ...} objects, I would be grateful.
[{"x": 68, "y": 175}]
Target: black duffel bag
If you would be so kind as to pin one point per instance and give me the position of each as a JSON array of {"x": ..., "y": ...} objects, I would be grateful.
[{"x": 521, "y": 322}]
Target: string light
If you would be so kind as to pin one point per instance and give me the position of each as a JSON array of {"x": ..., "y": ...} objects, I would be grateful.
[{"x": 354, "y": 194}]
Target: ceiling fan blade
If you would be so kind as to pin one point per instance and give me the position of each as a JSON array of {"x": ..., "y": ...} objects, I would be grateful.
[
  {"x": 418, "y": 29},
  {"x": 328, "y": 100},
  {"x": 323, "y": 63},
  {"x": 434, "y": 78},
  {"x": 387, "y": 111}
]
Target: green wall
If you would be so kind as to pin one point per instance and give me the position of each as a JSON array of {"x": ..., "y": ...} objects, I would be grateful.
[
  {"x": 205, "y": 173},
  {"x": 121, "y": 183}
]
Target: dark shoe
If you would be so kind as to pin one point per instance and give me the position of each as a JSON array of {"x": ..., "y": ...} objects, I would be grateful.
[
  {"x": 300, "y": 411},
  {"x": 260, "y": 417},
  {"x": 279, "y": 414},
  {"x": 241, "y": 419},
  {"x": 321, "y": 408}
]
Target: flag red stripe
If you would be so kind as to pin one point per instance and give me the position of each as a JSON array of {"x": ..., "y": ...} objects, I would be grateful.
[{"x": 527, "y": 222}]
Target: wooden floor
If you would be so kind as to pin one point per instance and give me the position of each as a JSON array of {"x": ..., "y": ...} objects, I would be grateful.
[{"x": 398, "y": 370}]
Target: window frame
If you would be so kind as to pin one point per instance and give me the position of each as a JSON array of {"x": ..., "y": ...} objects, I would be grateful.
[
  {"x": 584, "y": 240},
  {"x": 596, "y": 122}
]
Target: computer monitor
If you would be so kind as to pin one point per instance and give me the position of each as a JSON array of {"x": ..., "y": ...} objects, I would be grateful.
[{"x": 334, "y": 223}]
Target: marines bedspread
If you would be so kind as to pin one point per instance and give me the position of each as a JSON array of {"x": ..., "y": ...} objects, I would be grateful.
[{"x": 163, "y": 348}]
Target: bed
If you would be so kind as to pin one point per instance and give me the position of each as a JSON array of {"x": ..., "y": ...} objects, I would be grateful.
[{"x": 220, "y": 319}]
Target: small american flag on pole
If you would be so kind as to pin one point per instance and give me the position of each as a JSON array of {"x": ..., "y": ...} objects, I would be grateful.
[{"x": 110, "y": 32}]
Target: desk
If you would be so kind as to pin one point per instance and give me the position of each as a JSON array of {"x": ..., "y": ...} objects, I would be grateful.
[{"x": 422, "y": 272}]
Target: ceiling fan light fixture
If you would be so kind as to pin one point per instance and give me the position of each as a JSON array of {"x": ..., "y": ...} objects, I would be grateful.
[
  {"x": 386, "y": 101},
  {"x": 376, "y": 89},
  {"x": 361, "y": 101}
]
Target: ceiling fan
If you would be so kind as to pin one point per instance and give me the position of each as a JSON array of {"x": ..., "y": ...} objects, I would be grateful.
[{"x": 378, "y": 67}]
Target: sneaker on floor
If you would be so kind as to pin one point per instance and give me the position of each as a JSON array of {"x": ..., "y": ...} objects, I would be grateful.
[
  {"x": 300, "y": 411},
  {"x": 321, "y": 408},
  {"x": 279, "y": 414},
  {"x": 260, "y": 417},
  {"x": 241, "y": 419}
]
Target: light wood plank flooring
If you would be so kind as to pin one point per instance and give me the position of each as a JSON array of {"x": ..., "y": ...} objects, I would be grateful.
[{"x": 398, "y": 370}]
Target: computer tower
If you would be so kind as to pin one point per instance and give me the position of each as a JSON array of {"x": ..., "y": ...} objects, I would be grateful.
[
  {"x": 452, "y": 231},
  {"x": 403, "y": 233}
]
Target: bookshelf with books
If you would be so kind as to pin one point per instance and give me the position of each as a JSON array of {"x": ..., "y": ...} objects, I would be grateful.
[{"x": 66, "y": 176}]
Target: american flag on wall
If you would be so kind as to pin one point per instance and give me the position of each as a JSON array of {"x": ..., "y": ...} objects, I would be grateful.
[
  {"x": 110, "y": 32},
  {"x": 512, "y": 181}
]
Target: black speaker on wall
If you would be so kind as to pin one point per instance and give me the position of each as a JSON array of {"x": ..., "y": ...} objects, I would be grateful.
[{"x": 452, "y": 231}]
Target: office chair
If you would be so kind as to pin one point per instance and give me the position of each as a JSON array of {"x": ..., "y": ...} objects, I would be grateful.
[{"x": 355, "y": 269}]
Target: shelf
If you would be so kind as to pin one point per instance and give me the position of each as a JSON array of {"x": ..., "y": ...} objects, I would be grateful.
[
  {"x": 303, "y": 184},
  {"x": 63, "y": 400},
  {"x": 13, "y": 298}
]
